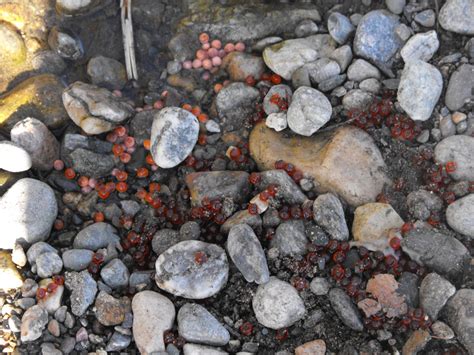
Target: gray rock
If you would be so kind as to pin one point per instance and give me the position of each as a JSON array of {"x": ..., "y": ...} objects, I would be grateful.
[
  {"x": 48, "y": 264},
  {"x": 434, "y": 293},
  {"x": 13, "y": 157},
  {"x": 370, "y": 85},
  {"x": 420, "y": 88},
  {"x": 178, "y": 273},
  {"x": 33, "y": 136},
  {"x": 343, "y": 56},
  {"x": 319, "y": 286},
  {"x": 361, "y": 69},
  {"x": 456, "y": 16},
  {"x": 83, "y": 289},
  {"x": 421, "y": 46},
  {"x": 283, "y": 91},
  {"x": 290, "y": 238},
  {"x": 375, "y": 37},
  {"x": 309, "y": 111},
  {"x": 195, "y": 349},
  {"x": 243, "y": 216},
  {"x": 458, "y": 149},
  {"x": 27, "y": 212},
  {"x": 460, "y": 87},
  {"x": 340, "y": 27},
  {"x": 442, "y": 331},
  {"x": 234, "y": 103},
  {"x": 447, "y": 126},
  {"x": 408, "y": 287},
  {"x": 246, "y": 252},
  {"x": 459, "y": 215},
  {"x": 33, "y": 323},
  {"x": 213, "y": 127},
  {"x": 322, "y": 69},
  {"x": 288, "y": 190},
  {"x": 277, "y": 121},
  {"x": 118, "y": 341},
  {"x": 173, "y": 67},
  {"x": 197, "y": 325},
  {"x": 285, "y": 57},
  {"x": 277, "y": 304},
  {"x": 164, "y": 239},
  {"x": 329, "y": 214},
  {"x": 422, "y": 203},
  {"x": 218, "y": 185},
  {"x": 174, "y": 134},
  {"x": 95, "y": 110},
  {"x": 77, "y": 259},
  {"x": 140, "y": 278},
  {"x": 460, "y": 317},
  {"x": 442, "y": 253},
  {"x": 65, "y": 43},
  {"x": 190, "y": 231},
  {"x": 37, "y": 249},
  {"x": 96, "y": 236},
  {"x": 88, "y": 163},
  {"x": 115, "y": 274},
  {"x": 357, "y": 99},
  {"x": 153, "y": 314},
  {"x": 300, "y": 77},
  {"x": 395, "y": 6},
  {"x": 265, "y": 42},
  {"x": 426, "y": 18},
  {"x": 107, "y": 72},
  {"x": 331, "y": 83},
  {"x": 345, "y": 309},
  {"x": 140, "y": 125},
  {"x": 306, "y": 28}
]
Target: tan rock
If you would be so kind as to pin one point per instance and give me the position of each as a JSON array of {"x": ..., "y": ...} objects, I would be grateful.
[
  {"x": 315, "y": 347},
  {"x": 344, "y": 161},
  {"x": 110, "y": 310},
  {"x": 39, "y": 97},
  {"x": 240, "y": 65},
  {"x": 372, "y": 223},
  {"x": 384, "y": 288},
  {"x": 417, "y": 342},
  {"x": 10, "y": 278},
  {"x": 188, "y": 84}
]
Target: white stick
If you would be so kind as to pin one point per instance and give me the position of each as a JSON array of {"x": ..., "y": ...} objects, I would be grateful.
[{"x": 128, "y": 43}]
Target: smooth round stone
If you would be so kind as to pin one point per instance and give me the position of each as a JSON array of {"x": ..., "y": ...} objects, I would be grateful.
[
  {"x": 178, "y": 273},
  {"x": 309, "y": 111},
  {"x": 77, "y": 259},
  {"x": 361, "y": 69},
  {"x": 460, "y": 215},
  {"x": 107, "y": 72},
  {"x": 197, "y": 325},
  {"x": 96, "y": 236},
  {"x": 115, "y": 274},
  {"x": 319, "y": 286},
  {"x": 435, "y": 291},
  {"x": 153, "y": 314},
  {"x": 174, "y": 134},
  {"x": 420, "y": 88},
  {"x": 395, "y": 6},
  {"x": 37, "y": 249},
  {"x": 277, "y": 304},
  {"x": 340, "y": 27},
  {"x": 456, "y": 16},
  {"x": 459, "y": 90},
  {"x": 33, "y": 136},
  {"x": 48, "y": 264},
  {"x": 458, "y": 149},
  {"x": 13, "y": 157},
  {"x": 290, "y": 238},
  {"x": 33, "y": 322},
  {"x": 421, "y": 46},
  {"x": 27, "y": 212}
]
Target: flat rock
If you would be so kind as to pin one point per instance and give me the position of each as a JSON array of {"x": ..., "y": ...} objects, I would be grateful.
[
  {"x": 174, "y": 134},
  {"x": 440, "y": 252},
  {"x": 459, "y": 149},
  {"x": 277, "y": 304},
  {"x": 39, "y": 97},
  {"x": 96, "y": 236},
  {"x": 110, "y": 310},
  {"x": 456, "y": 16},
  {"x": 375, "y": 37},
  {"x": 38, "y": 141},
  {"x": 178, "y": 273},
  {"x": 247, "y": 253},
  {"x": 218, "y": 184},
  {"x": 361, "y": 69},
  {"x": 421, "y": 46},
  {"x": 33, "y": 323},
  {"x": 309, "y": 111},
  {"x": 460, "y": 317},
  {"x": 372, "y": 223},
  {"x": 460, "y": 87},
  {"x": 83, "y": 289},
  {"x": 27, "y": 212},
  {"x": 153, "y": 314},
  {"x": 459, "y": 215},
  {"x": 435, "y": 291},
  {"x": 344, "y": 161},
  {"x": 329, "y": 214},
  {"x": 419, "y": 90},
  {"x": 290, "y": 238},
  {"x": 234, "y": 103},
  {"x": 96, "y": 110},
  {"x": 10, "y": 278},
  {"x": 13, "y": 157},
  {"x": 345, "y": 309},
  {"x": 286, "y": 57},
  {"x": 197, "y": 325}
]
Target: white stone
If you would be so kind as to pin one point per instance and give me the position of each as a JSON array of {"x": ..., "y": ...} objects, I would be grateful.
[
  {"x": 277, "y": 121},
  {"x": 421, "y": 46}
]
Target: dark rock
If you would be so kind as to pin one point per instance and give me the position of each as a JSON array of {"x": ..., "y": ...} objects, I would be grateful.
[
  {"x": 434, "y": 293},
  {"x": 329, "y": 214},
  {"x": 288, "y": 190},
  {"x": 345, "y": 309},
  {"x": 460, "y": 316},
  {"x": 408, "y": 286},
  {"x": 164, "y": 239},
  {"x": 88, "y": 163},
  {"x": 290, "y": 238},
  {"x": 107, "y": 72}
]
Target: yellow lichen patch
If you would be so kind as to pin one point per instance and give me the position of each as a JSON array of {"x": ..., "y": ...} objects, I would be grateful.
[{"x": 10, "y": 278}]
